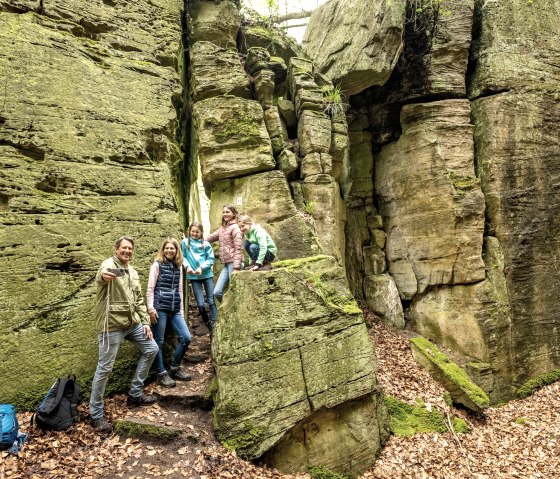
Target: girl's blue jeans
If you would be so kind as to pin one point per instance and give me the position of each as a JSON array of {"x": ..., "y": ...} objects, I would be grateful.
[
  {"x": 181, "y": 330},
  {"x": 223, "y": 281},
  {"x": 208, "y": 284}
]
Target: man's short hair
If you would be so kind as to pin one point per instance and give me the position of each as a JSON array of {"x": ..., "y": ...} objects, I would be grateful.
[{"x": 124, "y": 238}]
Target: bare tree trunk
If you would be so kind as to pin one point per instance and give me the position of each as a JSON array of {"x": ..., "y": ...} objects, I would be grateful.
[{"x": 291, "y": 16}]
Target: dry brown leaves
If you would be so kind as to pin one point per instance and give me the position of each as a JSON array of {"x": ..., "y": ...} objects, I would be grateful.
[{"x": 496, "y": 447}]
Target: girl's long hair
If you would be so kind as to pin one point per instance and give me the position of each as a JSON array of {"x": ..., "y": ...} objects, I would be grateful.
[
  {"x": 194, "y": 225},
  {"x": 233, "y": 209},
  {"x": 178, "y": 256}
]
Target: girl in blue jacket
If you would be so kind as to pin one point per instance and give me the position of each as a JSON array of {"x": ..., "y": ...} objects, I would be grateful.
[{"x": 198, "y": 259}]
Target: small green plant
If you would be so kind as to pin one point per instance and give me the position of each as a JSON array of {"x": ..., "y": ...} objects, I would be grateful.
[
  {"x": 425, "y": 14},
  {"x": 320, "y": 472},
  {"x": 522, "y": 420},
  {"x": 309, "y": 207},
  {"x": 333, "y": 100}
]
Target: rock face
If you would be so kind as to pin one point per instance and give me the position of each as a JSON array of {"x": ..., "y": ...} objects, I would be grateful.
[
  {"x": 231, "y": 138},
  {"x": 356, "y": 44},
  {"x": 434, "y": 213},
  {"x": 87, "y": 154},
  {"x": 307, "y": 364}
]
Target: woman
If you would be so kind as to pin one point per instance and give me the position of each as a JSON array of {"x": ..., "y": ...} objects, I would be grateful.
[{"x": 165, "y": 303}]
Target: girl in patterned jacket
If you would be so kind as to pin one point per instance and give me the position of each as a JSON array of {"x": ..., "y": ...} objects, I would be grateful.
[{"x": 231, "y": 248}]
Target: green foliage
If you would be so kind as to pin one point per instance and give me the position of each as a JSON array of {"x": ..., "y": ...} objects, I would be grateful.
[
  {"x": 333, "y": 100},
  {"x": 320, "y": 472},
  {"x": 537, "y": 383},
  {"x": 447, "y": 398},
  {"x": 522, "y": 420},
  {"x": 407, "y": 420},
  {"x": 425, "y": 14},
  {"x": 453, "y": 371},
  {"x": 309, "y": 208}
]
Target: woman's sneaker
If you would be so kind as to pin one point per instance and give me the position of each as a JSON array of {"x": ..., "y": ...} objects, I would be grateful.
[
  {"x": 179, "y": 374},
  {"x": 164, "y": 380}
]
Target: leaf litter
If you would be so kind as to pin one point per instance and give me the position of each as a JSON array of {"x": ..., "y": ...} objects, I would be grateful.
[{"x": 518, "y": 440}]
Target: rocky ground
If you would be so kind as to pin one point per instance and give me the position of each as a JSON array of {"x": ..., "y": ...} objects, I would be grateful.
[{"x": 518, "y": 440}]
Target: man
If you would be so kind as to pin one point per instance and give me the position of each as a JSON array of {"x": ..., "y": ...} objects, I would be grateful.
[
  {"x": 120, "y": 314},
  {"x": 258, "y": 244}
]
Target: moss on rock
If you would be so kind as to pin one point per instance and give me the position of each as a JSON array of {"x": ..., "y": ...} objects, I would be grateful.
[
  {"x": 453, "y": 377},
  {"x": 139, "y": 428},
  {"x": 537, "y": 383}
]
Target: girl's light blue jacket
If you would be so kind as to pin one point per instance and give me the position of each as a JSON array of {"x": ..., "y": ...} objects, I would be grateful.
[{"x": 197, "y": 253}]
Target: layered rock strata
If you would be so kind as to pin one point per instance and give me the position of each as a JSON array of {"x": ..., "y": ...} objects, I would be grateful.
[
  {"x": 308, "y": 394},
  {"x": 87, "y": 153}
]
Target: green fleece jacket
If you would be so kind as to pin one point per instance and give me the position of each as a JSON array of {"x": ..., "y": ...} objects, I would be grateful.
[
  {"x": 120, "y": 304},
  {"x": 257, "y": 234}
]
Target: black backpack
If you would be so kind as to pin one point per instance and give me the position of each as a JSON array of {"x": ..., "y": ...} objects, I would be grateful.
[{"x": 58, "y": 410}]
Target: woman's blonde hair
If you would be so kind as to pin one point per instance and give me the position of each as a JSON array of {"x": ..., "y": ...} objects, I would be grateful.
[
  {"x": 178, "y": 256},
  {"x": 245, "y": 219}
]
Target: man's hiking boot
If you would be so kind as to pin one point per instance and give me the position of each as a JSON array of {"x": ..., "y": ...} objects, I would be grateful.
[
  {"x": 142, "y": 400},
  {"x": 179, "y": 374},
  {"x": 163, "y": 379},
  {"x": 101, "y": 425}
]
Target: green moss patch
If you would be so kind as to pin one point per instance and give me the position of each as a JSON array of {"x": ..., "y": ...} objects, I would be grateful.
[
  {"x": 407, "y": 420},
  {"x": 462, "y": 183},
  {"x": 320, "y": 472},
  {"x": 324, "y": 281},
  {"x": 537, "y": 383},
  {"x": 244, "y": 441},
  {"x": 236, "y": 124},
  {"x": 453, "y": 374}
]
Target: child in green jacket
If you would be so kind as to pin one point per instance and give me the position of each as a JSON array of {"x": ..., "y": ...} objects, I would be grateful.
[{"x": 258, "y": 244}]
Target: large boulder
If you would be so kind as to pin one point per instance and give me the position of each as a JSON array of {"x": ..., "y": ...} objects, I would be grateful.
[
  {"x": 216, "y": 71},
  {"x": 83, "y": 162},
  {"x": 275, "y": 41},
  {"x": 216, "y": 22},
  {"x": 517, "y": 150},
  {"x": 307, "y": 364},
  {"x": 356, "y": 43},
  {"x": 230, "y": 138},
  {"x": 266, "y": 198},
  {"x": 515, "y": 46},
  {"x": 433, "y": 212}
]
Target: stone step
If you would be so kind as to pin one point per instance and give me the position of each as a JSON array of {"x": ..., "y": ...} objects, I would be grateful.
[{"x": 136, "y": 427}]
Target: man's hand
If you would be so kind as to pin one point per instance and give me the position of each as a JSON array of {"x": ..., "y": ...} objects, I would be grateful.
[
  {"x": 108, "y": 276},
  {"x": 153, "y": 316},
  {"x": 198, "y": 272},
  {"x": 147, "y": 331}
]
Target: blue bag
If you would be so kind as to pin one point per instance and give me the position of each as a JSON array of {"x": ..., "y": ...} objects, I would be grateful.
[{"x": 8, "y": 426}]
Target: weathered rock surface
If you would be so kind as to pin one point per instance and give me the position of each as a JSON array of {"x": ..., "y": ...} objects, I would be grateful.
[
  {"x": 433, "y": 213},
  {"x": 432, "y": 66},
  {"x": 517, "y": 149},
  {"x": 83, "y": 160},
  {"x": 356, "y": 43},
  {"x": 142, "y": 31},
  {"x": 325, "y": 205},
  {"x": 266, "y": 198},
  {"x": 449, "y": 374},
  {"x": 216, "y": 22},
  {"x": 216, "y": 71},
  {"x": 275, "y": 42},
  {"x": 474, "y": 321},
  {"x": 515, "y": 46},
  {"x": 231, "y": 138},
  {"x": 303, "y": 355},
  {"x": 382, "y": 297}
]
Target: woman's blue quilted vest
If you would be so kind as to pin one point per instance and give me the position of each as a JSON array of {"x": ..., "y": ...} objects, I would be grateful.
[{"x": 167, "y": 296}]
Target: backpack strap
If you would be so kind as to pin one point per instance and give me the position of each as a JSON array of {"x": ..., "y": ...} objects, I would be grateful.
[
  {"x": 52, "y": 403},
  {"x": 75, "y": 392}
]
